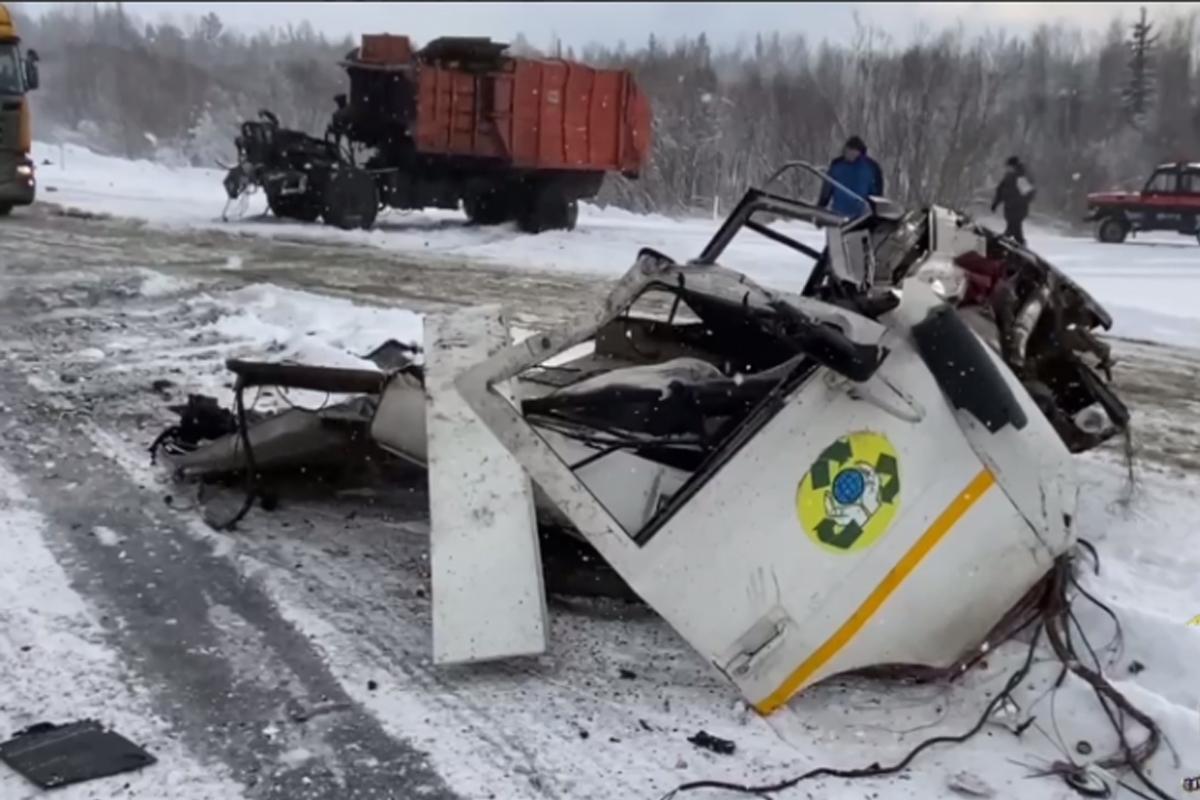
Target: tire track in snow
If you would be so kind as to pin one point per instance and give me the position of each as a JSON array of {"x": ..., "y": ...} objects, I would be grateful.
[
  {"x": 207, "y": 646},
  {"x": 55, "y": 666}
]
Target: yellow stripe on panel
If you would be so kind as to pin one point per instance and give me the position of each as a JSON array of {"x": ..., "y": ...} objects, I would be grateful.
[{"x": 850, "y": 628}]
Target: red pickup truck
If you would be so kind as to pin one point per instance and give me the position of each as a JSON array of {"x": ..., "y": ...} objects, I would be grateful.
[{"x": 1170, "y": 201}]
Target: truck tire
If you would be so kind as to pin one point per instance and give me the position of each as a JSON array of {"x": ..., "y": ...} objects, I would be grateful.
[
  {"x": 548, "y": 210},
  {"x": 351, "y": 200},
  {"x": 488, "y": 207},
  {"x": 303, "y": 207},
  {"x": 1112, "y": 230},
  {"x": 5, "y": 209}
]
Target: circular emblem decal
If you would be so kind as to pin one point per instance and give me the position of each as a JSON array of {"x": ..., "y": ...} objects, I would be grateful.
[{"x": 850, "y": 494}]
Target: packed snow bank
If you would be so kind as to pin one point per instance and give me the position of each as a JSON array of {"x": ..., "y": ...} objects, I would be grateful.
[
  {"x": 263, "y": 322},
  {"x": 1149, "y": 285},
  {"x": 297, "y": 326}
]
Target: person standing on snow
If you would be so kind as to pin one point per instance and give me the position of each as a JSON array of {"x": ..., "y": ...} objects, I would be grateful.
[
  {"x": 856, "y": 171},
  {"x": 1015, "y": 192}
]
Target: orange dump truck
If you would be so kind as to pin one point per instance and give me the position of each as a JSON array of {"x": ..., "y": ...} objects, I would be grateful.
[
  {"x": 458, "y": 121},
  {"x": 18, "y": 75}
]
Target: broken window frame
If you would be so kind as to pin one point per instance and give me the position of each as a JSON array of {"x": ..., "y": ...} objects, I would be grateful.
[
  {"x": 555, "y": 475},
  {"x": 1171, "y": 174}
]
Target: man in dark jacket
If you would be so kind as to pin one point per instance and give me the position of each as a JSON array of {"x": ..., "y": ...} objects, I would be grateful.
[
  {"x": 1015, "y": 192},
  {"x": 856, "y": 171}
]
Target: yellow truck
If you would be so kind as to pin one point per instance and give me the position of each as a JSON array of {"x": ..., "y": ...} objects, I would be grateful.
[{"x": 18, "y": 75}]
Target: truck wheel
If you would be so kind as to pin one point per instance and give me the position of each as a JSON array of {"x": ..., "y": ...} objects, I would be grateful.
[
  {"x": 303, "y": 207},
  {"x": 5, "y": 209},
  {"x": 351, "y": 200},
  {"x": 1112, "y": 230},
  {"x": 548, "y": 210},
  {"x": 572, "y": 216},
  {"x": 488, "y": 207}
]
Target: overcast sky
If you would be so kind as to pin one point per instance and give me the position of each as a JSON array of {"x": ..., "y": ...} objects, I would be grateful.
[{"x": 608, "y": 23}]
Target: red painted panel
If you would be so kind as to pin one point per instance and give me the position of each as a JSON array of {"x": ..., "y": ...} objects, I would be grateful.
[
  {"x": 1164, "y": 200},
  {"x": 502, "y": 113},
  {"x": 462, "y": 114},
  {"x": 577, "y": 121},
  {"x": 383, "y": 48},
  {"x": 535, "y": 114},
  {"x": 551, "y": 139},
  {"x": 604, "y": 124},
  {"x": 526, "y": 119},
  {"x": 431, "y": 122},
  {"x": 638, "y": 128}
]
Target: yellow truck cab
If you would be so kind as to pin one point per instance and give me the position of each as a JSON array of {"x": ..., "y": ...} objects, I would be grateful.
[{"x": 18, "y": 75}]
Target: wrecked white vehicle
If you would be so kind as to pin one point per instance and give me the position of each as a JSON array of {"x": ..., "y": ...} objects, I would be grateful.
[{"x": 790, "y": 481}]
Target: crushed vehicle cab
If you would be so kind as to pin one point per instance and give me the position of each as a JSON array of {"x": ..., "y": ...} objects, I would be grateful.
[
  {"x": 798, "y": 483},
  {"x": 1170, "y": 201},
  {"x": 18, "y": 75}
]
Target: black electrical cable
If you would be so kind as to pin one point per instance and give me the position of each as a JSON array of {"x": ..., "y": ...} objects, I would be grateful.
[
  {"x": 1056, "y": 619},
  {"x": 1132, "y": 760},
  {"x": 874, "y": 770},
  {"x": 563, "y": 427},
  {"x": 596, "y": 456},
  {"x": 1119, "y": 638},
  {"x": 1060, "y": 615},
  {"x": 1091, "y": 548},
  {"x": 239, "y": 390}
]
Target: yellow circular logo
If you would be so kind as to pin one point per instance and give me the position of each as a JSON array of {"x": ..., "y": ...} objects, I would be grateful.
[{"x": 850, "y": 494}]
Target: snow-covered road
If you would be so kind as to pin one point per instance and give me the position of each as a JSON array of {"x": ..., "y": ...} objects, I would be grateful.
[{"x": 291, "y": 658}]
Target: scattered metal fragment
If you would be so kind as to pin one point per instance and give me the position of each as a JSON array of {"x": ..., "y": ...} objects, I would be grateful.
[
  {"x": 970, "y": 785},
  {"x": 706, "y": 741},
  {"x": 59, "y": 755}
]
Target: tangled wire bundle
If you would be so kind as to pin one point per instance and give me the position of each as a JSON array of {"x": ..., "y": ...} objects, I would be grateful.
[{"x": 1047, "y": 608}]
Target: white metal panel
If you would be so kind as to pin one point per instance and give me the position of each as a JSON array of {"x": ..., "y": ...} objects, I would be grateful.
[
  {"x": 399, "y": 422},
  {"x": 628, "y": 486},
  {"x": 951, "y": 234},
  {"x": 738, "y": 552},
  {"x": 975, "y": 586},
  {"x": 1032, "y": 465},
  {"x": 488, "y": 593},
  {"x": 756, "y": 589}
]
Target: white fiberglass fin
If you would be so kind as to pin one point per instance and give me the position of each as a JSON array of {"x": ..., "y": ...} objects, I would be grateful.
[{"x": 488, "y": 593}]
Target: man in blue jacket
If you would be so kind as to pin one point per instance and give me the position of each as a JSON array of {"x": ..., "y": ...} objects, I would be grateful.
[{"x": 859, "y": 173}]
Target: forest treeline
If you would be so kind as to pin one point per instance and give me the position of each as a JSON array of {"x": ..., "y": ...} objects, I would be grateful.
[{"x": 940, "y": 113}]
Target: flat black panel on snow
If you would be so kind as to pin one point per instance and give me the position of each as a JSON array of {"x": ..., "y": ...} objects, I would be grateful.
[{"x": 59, "y": 755}]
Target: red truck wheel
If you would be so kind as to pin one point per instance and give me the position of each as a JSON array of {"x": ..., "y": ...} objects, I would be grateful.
[{"x": 1112, "y": 230}]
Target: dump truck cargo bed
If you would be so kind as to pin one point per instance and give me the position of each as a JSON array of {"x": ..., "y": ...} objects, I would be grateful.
[
  {"x": 541, "y": 115},
  {"x": 464, "y": 98}
]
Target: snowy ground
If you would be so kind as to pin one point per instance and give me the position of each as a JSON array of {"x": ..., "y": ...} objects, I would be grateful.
[{"x": 203, "y": 646}]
